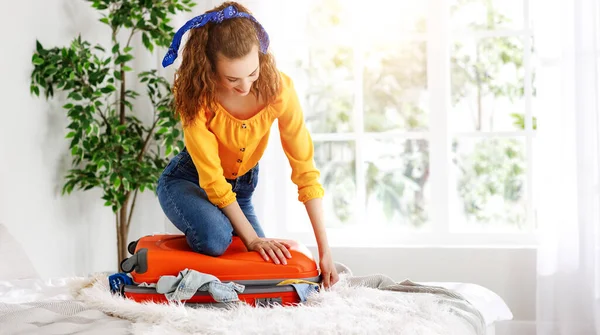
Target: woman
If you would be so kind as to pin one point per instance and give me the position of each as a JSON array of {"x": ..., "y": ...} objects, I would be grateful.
[{"x": 228, "y": 92}]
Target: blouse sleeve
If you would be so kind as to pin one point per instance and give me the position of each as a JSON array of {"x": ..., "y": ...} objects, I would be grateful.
[{"x": 297, "y": 144}]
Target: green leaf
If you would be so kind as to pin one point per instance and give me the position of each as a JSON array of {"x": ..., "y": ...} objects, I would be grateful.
[
  {"x": 108, "y": 89},
  {"x": 117, "y": 183},
  {"x": 123, "y": 58},
  {"x": 147, "y": 43},
  {"x": 70, "y": 134},
  {"x": 115, "y": 48},
  {"x": 35, "y": 90},
  {"x": 38, "y": 46},
  {"x": 127, "y": 49},
  {"x": 37, "y": 60},
  {"x": 50, "y": 70},
  {"x": 75, "y": 96}
]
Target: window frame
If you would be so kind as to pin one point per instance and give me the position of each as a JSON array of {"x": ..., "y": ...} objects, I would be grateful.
[{"x": 438, "y": 37}]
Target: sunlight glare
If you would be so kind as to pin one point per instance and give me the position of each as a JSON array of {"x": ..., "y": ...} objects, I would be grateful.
[{"x": 388, "y": 19}]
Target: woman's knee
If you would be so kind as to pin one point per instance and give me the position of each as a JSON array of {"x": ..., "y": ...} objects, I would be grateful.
[
  {"x": 207, "y": 229},
  {"x": 212, "y": 243}
]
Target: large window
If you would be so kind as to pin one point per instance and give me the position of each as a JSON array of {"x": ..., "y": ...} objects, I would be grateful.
[{"x": 421, "y": 113}]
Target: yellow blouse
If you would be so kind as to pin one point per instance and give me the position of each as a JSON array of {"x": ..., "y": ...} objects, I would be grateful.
[{"x": 229, "y": 147}]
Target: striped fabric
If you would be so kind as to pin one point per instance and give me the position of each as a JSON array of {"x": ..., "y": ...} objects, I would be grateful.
[{"x": 58, "y": 317}]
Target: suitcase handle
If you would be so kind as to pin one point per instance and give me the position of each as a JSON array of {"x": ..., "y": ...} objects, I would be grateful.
[
  {"x": 131, "y": 246},
  {"x": 138, "y": 262}
]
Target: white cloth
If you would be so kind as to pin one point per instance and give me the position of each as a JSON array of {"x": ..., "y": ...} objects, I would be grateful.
[{"x": 566, "y": 166}]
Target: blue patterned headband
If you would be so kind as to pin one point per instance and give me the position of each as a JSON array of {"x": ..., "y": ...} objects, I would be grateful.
[{"x": 215, "y": 17}]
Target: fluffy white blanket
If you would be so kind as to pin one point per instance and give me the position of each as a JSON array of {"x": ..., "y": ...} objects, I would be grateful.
[{"x": 345, "y": 309}]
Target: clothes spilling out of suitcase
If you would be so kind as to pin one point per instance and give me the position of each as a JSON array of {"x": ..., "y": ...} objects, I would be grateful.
[{"x": 163, "y": 268}]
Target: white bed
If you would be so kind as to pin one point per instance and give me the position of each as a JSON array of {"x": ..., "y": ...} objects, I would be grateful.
[
  {"x": 48, "y": 306},
  {"x": 36, "y": 306}
]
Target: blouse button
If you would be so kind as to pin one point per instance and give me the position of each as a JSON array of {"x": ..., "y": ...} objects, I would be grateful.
[
  {"x": 244, "y": 125},
  {"x": 234, "y": 174},
  {"x": 239, "y": 160},
  {"x": 243, "y": 149}
]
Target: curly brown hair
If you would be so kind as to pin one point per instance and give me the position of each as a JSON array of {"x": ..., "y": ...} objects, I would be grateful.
[{"x": 195, "y": 80}]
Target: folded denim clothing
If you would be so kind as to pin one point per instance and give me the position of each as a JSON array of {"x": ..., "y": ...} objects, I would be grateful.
[
  {"x": 188, "y": 282},
  {"x": 304, "y": 288}
]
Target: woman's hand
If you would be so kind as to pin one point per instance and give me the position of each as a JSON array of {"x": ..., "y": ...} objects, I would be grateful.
[
  {"x": 276, "y": 250},
  {"x": 329, "y": 275}
]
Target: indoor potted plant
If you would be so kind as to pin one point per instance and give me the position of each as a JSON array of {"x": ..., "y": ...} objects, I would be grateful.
[{"x": 111, "y": 148}]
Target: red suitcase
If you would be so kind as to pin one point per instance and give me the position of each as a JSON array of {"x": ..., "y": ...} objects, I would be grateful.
[{"x": 161, "y": 255}]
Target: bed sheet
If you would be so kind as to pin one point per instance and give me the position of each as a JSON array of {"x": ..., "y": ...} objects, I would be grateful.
[
  {"x": 36, "y": 306},
  {"x": 490, "y": 305}
]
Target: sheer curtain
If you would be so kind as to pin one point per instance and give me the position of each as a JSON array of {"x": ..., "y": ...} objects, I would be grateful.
[{"x": 566, "y": 166}]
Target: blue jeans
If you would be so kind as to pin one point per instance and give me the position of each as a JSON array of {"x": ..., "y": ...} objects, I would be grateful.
[{"x": 207, "y": 229}]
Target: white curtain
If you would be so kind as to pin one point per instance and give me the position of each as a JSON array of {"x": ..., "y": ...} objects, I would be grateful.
[{"x": 566, "y": 166}]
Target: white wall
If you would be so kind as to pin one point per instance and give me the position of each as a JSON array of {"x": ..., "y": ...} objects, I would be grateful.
[
  {"x": 75, "y": 235},
  {"x": 64, "y": 235}
]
